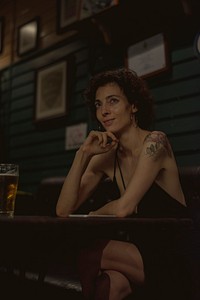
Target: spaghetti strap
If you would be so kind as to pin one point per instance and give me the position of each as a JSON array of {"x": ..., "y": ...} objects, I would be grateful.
[{"x": 116, "y": 162}]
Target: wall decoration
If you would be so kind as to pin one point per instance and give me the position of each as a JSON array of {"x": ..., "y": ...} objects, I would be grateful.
[
  {"x": 75, "y": 136},
  {"x": 148, "y": 57},
  {"x": 92, "y": 7},
  {"x": 1, "y": 34},
  {"x": 68, "y": 12},
  {"x": 197, "y": 45},
  {"x": 28, "y": 37},
  {"x": 51, "y": 92},
  {"x": 72, "y": 11}
]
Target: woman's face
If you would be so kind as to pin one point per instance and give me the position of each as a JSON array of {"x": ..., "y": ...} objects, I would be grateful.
[{"x": 113, "y": 110}]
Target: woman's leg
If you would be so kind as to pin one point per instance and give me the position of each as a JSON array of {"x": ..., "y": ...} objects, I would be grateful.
[
  {"x": 89, "y": 265},
  {"x": 112, "y": 285},
  {"x": 102, "y": 287},
  {"x": 113, "y": 255},
  {"x": 125, "y": 258}
]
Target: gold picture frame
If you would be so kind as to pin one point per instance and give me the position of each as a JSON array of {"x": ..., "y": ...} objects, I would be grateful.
[{"x": 51, "y": 92}]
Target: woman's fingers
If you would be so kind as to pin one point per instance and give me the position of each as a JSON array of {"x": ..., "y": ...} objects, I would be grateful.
[
  {"x": 104, "y": 141},
  {"x": 107, "y": 139},
  {"x": 111, "y": 137}
]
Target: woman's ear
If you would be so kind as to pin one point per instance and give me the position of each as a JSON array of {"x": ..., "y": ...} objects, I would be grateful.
[{"x": 134, "y": 108}]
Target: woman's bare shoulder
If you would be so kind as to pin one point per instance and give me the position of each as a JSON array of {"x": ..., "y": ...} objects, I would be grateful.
[
  {"x": 156, "y": 142},
  {"x": 155, "y": 136}
]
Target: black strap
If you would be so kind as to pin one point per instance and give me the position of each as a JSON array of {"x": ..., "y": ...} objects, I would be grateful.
[{"x": 116, "y": 162}]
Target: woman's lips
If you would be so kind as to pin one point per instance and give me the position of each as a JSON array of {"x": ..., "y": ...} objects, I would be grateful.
[{"x": 108, "y": 122}]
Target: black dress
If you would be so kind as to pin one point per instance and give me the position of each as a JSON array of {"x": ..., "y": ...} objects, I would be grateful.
[
  {"x": 156, "y": 203},
  {"x": 162, "y": 249},
  {"x": 162, "y": 254},
  {"x": 150, "y": 240}
]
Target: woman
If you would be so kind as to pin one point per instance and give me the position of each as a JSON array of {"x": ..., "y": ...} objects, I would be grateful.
[{"x": 142, "y": 165}]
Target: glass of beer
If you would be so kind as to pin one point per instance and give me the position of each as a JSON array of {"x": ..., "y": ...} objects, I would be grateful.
[{"x": 9, "y": 174}]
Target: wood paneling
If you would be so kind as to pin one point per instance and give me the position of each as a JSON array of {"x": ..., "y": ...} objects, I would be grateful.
[
  {"x": 19, "y": 12},
  {"x": 41, "y": 152},
  {"x": 178, "y": 106},
  {"x": 156, "y": 16},
  {"x": 6, "y": 11}
]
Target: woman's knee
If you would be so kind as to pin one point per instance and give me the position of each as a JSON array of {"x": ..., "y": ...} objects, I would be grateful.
[
  {"x": 120, "y": 286},
  {"x": 125, "y": 258},
  {"x": 124, "y": 252}
]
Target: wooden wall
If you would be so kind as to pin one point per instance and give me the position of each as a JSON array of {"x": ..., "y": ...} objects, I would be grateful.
[
  {"x": 19, "y": 12},
  {"x": 179, "y": 18},
  {"x": 178, "y": 106},
  {"x": 40, "y": 152}
]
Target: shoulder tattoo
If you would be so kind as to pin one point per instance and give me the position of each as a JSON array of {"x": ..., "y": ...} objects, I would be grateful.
[{"x": 157, "y": 143}]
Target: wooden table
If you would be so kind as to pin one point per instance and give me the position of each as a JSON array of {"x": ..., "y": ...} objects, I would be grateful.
[
  {"x": 37, "y": 241},
  {"x": 24, "y": 238}
]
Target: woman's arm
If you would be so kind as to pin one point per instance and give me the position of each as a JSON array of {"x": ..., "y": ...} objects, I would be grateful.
[
  {"x": 155, "y": 152},
  {"x": 85, "y": 172},
  {"x": 69, "y": 195}
]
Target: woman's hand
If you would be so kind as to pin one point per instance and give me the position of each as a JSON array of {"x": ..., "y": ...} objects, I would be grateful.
[{"x": 99, "y": 142}]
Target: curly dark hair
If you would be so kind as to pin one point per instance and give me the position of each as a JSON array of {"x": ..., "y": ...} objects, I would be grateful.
[{"x": 133, "y": 87}]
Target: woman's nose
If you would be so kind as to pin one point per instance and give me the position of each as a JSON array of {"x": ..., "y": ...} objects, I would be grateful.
[{"x": 104, "y": 109}]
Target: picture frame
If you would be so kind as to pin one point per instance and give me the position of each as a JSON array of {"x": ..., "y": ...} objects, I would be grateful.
[
  {"x": 197, "y": 45},
  {"x": 28, "y": 37},
  {"x": 1, "y": 34},
  {"x": 51, "y": 92},
  {"x": 90, "y": 8},
  {"x": 75, "y": 135},
  {"x": 68, "y": 13},
  {"x": 149, "y": 57}
]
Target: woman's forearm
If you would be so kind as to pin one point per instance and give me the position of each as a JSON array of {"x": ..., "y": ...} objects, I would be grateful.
[
  {"x": 69, "y": 195},
  {"x": 111, "y": 208}
]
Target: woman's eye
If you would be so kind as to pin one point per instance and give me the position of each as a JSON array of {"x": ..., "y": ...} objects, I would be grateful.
[
  {"x": 113, "y": 100},
  {"x": 97, "y": 104}
]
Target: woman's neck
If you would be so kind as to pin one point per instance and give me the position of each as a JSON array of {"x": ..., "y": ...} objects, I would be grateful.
[{"x": 131, "y": 141}]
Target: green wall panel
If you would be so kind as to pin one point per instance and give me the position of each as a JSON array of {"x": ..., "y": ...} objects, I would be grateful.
[
  {"x": 175, "y": 89},
  {"x": 178, "y": 107},
  {"x": 40, "y": 151}
]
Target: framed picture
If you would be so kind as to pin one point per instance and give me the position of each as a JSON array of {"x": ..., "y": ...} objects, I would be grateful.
[
  {"x": 197, "y": 45},
  {"x": 75, "y": 136},
  {"x": 1, "y": 34},
  {"x": 68, "y": 12},
  {"x": 51, "y": 92},
  {"x": 72, "y": 11},
  {"x": 90, "y": 8},
  {"x": 28, "y": 37},
  {"x": 149, "y": 57}
]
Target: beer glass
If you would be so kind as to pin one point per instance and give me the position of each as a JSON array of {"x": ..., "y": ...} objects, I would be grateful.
[{"x": 9, "y": 174}]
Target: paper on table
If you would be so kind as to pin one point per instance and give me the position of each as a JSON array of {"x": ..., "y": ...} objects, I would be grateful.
[{"x": 86, "y": 216}]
